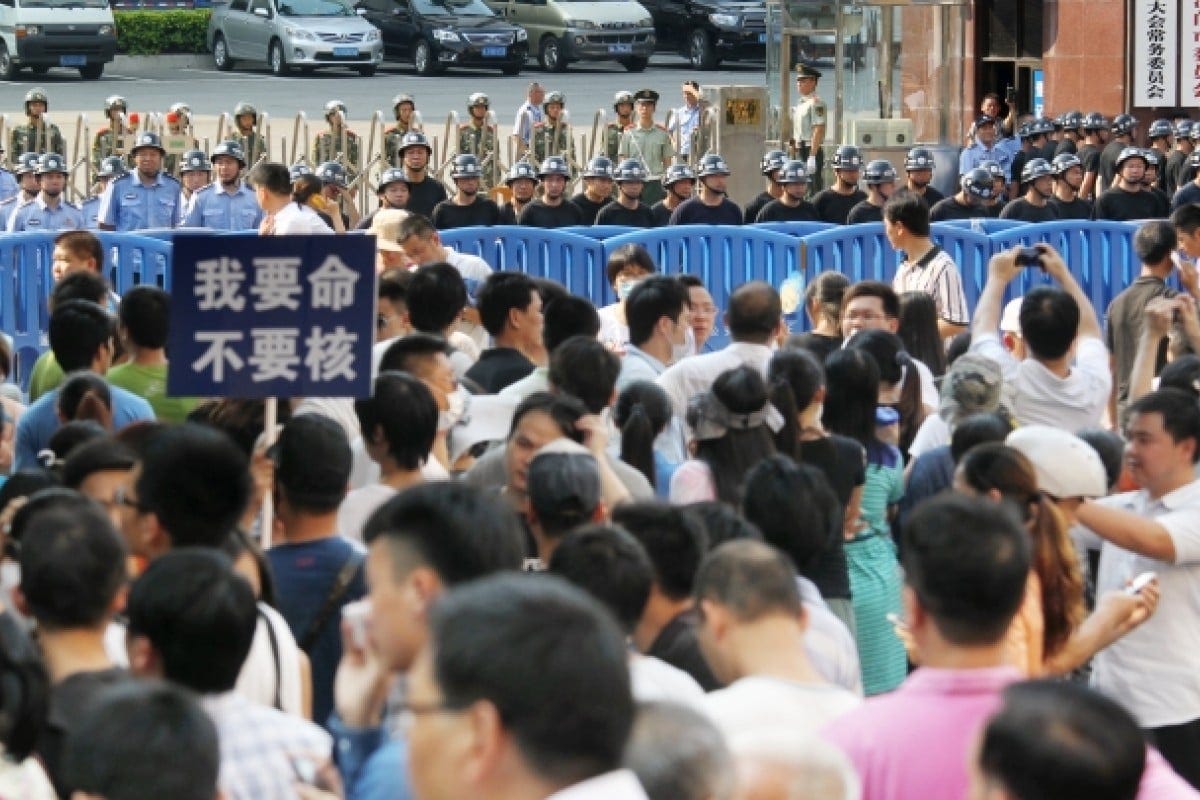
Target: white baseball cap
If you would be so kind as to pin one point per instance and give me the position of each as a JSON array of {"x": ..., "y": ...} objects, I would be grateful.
[
  {"x": 1010, "y": 320},
  {"x": 1066, "y": 465}
]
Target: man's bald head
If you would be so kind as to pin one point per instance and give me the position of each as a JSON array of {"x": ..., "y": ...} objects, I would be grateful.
[{"x": 755, "y": 312}]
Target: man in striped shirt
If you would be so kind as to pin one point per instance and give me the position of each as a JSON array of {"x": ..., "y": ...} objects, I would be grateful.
[{"x": 926, "y": 268}]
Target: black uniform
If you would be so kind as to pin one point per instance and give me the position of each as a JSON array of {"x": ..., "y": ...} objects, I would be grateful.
[
  {"x": 1076, "y": 209},
  {"x": 1119, "y": 204},
  {"x": 694, "y": 211},
  {"x": 866, "y": 211},
  {"x": 1018, "y": 163},
  {"x": 1171, "y": 170},
  {"x": 1164, "y": 202},
  {"x": 539, "y": 215},
  {"x": 950, "y": 208},
  {"x": 932, "y": 196},
  {"x": 1089, "y": 158},
  {"x": 1025, "y": 211},
  {"x": 756, "y": 205},
  {"x": 448, "y": 214},
  {"x": 508, "y": 214},
  {"x": 424, "y": 196},
  {"x": 661, "y": 214},
  {"x": 834, "y": 207},
  {"x": 1107, "y": 167},
  {"x": 776, "y": 211},
  {"x": 588, "y": 209},
  {"x": 1050, "y": 148},
  {"x": 616, "y": 214},
  {"x": 1064, "y": 145}
]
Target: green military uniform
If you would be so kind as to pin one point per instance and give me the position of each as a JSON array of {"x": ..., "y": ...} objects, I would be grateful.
[
  {"x": 613, "y": 132},
  {"x": 480, "y": 141},
  {"x": 253, "y": 144},
  {"x": 545, "y": 143},
  {"x": 807, "y": 115},
  {"x": 392, "y": 138},
  {"x": 43, "y": 138},
  {"x": 327, "y": 146},
  {"x": 652, "y": 146},
  {"x": 105, "y": 145}
]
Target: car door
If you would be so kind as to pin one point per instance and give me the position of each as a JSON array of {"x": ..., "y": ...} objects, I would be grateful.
[
  {"x": 259, "y": 29},
  {"x": 233, "y": 27},
  {"x": 671, "y": 23}
]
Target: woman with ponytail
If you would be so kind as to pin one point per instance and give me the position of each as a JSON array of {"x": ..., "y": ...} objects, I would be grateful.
[
  {"x": 641, "y": 413},
  {"x": 899, "y": 381}
]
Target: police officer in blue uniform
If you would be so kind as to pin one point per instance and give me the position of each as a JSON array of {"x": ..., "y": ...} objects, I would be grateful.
[
  {"x": 48, "y": 211},
  {"x": 226, "y": 204},
  {"x": 111, "y": 167},
  {"x": 8, "y": 182},
  {"x": 147, "y": 197},
  {"x": 27, "y": 186}
]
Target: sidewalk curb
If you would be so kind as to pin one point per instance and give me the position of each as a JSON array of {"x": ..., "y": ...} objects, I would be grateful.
[{"x": 121, "y": 63}]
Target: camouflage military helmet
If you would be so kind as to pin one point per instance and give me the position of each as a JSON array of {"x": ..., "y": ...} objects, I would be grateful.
[
  {"x": 114, "y": 100},
  {"x": 243, "y": 108},
  {"x": 27, "y": 163},
  {"x": 599, "y": 167},
  {"x": 793, "y": 172},
  {"x": 332, "y": 172},
  {"x": 621, "y": 97},
  {"x": 194, "y": 161},
  {"x": 521, "y": 170},
  {"x": 879, "y": 171},
  {"x": 847, "y": 156},
  {"x": 37, "y": 95},
  {"x": 1160, "y": 128},
  {"x": 1063, "y": 162},
  {"x": 712, "y": 164},
  {"x": 554, "y": 97},
  {"x": 555, "y": 165},
  {"x": 478, "y": 99},
  {"x": 414, "y": 139},
  {"x": 678, "y": 172},
  {"x": 390, "y": 176},
  {"x": 230, "y": 149},
  {"x": 51, "y": 162},
  {"x": 147, "y": 139},
  {"x": 630, "y": 171},
  {"x": 1036, "y": 168},
  {"x": 465, "y": 166},
  {"x": 402, "y": 98},
  {"x": 334, "y": 106},
  {"x": 978, "y": 183},
  {"x": 298, "y": 170},
  {"x": 183, "y": 109},
  {"x": 111, "y": 167},
  {"x": 773, "y": 160}
]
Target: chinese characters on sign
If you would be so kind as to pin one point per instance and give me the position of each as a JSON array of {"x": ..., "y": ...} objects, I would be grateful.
[
  {"x": 1156, "y": 60},
  {"x": 1189, "y": 47},
  {"x": 280, "y": 316}
]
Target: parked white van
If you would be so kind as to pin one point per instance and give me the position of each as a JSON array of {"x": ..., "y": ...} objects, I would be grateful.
[{"x": 41, "y": 34}]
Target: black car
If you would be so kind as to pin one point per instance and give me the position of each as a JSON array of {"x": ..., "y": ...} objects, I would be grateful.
[
  {"x": 707, "y": 32},
  {"x": 436, "y": 34}
]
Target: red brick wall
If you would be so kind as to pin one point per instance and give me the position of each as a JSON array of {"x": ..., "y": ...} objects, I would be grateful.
[{"x": 1085, "y": 56}]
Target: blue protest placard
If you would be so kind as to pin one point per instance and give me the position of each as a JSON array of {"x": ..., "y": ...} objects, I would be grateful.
[{"x": 271, "y": 316}]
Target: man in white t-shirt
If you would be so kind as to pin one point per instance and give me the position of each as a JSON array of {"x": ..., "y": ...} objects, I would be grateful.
[
  {"x": 752, "y": 634},
  {"x": 273, "y": 189},
  {"x": 1064, "y": 380},
  {"x": 422, "y": 244},
  {"x": 1154, "y": 671}
]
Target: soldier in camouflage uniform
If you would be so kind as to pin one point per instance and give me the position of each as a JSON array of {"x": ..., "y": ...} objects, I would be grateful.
[
  {"x": 105, "y": 143},
  {"x": 329, "y": 145},
  {"x": 613, "y": 131},
  {"x": 476, "y": 137},
  {"x": 38, "y": 134},
  {"x": 179, "y": 123},
  {"x": 552, "y": 136},
  {"x": 245, "y": 123},
  {"x": 404, "y": 107}
]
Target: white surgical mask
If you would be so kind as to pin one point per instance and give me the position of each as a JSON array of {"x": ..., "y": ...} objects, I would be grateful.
[
  {"x": 457, "y": 401},
  {"x": 687, "y": 347},
  {"x": 625, "y": 287}
]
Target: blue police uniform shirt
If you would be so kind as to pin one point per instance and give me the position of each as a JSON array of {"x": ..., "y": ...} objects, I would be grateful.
[
  {"x": 213, "y": 207},
  {"x": 90, "y": 210},
  {"x": 8, "y": 185},
  {"x": 37, "y": 216},
  {"x": 976, "y": 154},
  {"x": 39, "y": 422},
  {"x": 130, "y": 205}
]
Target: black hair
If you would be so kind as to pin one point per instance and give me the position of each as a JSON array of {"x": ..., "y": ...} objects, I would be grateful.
[
  {"x": 1183, "y": 373},
  {"x": 918, "y": 331},
  {"x": 970, "y": 585},
  {"x": 980, "y": 428},
  {"x": 275, "y": 178},
  {"x": 550, "y": 290},
  {"x": 795, "y": 508},
  {"x": 500, "y": 294},
  {"x": 563, "y": 409},
  {"x": 751, "y": 579},
  {"x": 741, "y": 391},
  {"x": 404, "y": 354},
  {"x": 99, "y": 455},
  {"x": 459, "y": 532},
  {"x": 404, "y": 410},
  {"x": 145, "y": 314},
  {"x": 488, "y": 638},
  {"x": 1155, "y": 241},
  {"x": 196, "y": 481},
  {"x": 795, "y": 376},
  {"x": 304, "y": 188},
  {"x": 1186, "y": 218},
  {"x": 414, "y": 225},
  {"x": 566, "y": 317},
  {"x": 393, "y": 285},
  {"x": 85, "y": 396},
  {"x": 1049, "y": 321},
  {"x": 1054, "y": 740},
  {"x": 140, "y": 740},
  {"x": 851, "y": 395},
  {"x": 641, "y": 413},
  {"x": 674, "y": 540},
  {"x": 656, "y": 297},
  {"x": 199, "y": 615},
  {"x": 1111, "y": 449},
  {"x": 611, "y": 566},
  {"x": 436, "y": 296},
  {"x": 64, "y": 441},
  {"x": 1180, "y": 415},
  {"x": 24, "y": 690},
  {"x": 72, "y": 566},
  {"x": 25, "y": 484},
  {"x": 895, "y": 364},
  {"x": 629, "y": 255},
  {"x": 960, "y": 343},
  {"x": 886, "y": 294},
  {"x": 828, "y": 288},
  {"x": 85, "y": 244},
  {"x": 723, "y": 523},
  {"x": 584, "y": 368},
  {"x": 78, "y": 328},
  {"x": 243, "y": 421},
  {"x": 908, "y": 209},
  {"x": 755, "y": 311},
  {"x": 81, "y": 285}
]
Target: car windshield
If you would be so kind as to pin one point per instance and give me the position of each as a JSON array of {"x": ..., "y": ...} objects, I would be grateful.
[
  {"x": 314, "y": 8},
  {"x": 459, "y": 8},
  {"x": 64, "y": 4}
]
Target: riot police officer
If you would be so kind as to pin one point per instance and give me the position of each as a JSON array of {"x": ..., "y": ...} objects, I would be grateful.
[
  {"x": 1178, "y": 157},
  {"x": 791, "y": 205},
  {"x": 1067, "y": 171},
  {"x": 245, "y": 134},
  {"x": 195, "y": 172},
  {"x": 809, "y": 120},
  {"x": 145, "y": 197},
  {"x": 976, "y": 188},
  {"x": 522, "y": 181},
  {"x": 1037, "y": 176},
  {"x": 48, "y": 211},
  {"x": 27, "y": 183},
  {"x": 117, "y": 135},
  {"x": 110, "y": 168},
  {"x": 38, "y": 134},
  {"x": 391, "y": 192},
  {"x": 478, "y": 137},
  {"x": 918, "y": 166},
  {"x": 1122, "y": 138},
  {"x": 834, "y": 204},
  {"x": 679, "y": 183},
  {"x": 339, "y": 143},
  {"x": 552, "y": 136},
  {"x": 772, "y": 163},
  {"x": 1161, "y": 134},
  {"x": 613, "y": 131},
  {"x": 597, "y": 188},
  {"x": 552, "y": 210},
  {"x": 335, "y": 188},
  {"x": 712, "y": 206},
  {"x": 226, "y": 204},
  {"x": 648, "y": 142},
  {"x": 880, "y": 178},
  {"x": 466, "y": 207},
  {"x": 424, "y": 192},
  {"x": 628, "y": 208},
  {"x": 404, "y": 108},
  {"x": 8, "y": 182}
]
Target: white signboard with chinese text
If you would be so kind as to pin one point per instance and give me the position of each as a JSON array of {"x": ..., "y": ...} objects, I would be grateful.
[{"x": 1156, "y": 53}]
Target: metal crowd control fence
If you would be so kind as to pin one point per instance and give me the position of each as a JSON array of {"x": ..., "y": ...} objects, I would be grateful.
[{"x": 786, "y": 255}]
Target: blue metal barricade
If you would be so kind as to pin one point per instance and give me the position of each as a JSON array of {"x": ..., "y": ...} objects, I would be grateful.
[
  {"x": 860, "y": 252},
  {"x": 600, "y": 232},
  {"x": 25, "y": 283},
  {"x": 577, "y": 262},
  {"x": 794, "y": 228},
  {"x": 970, "y": 250}
]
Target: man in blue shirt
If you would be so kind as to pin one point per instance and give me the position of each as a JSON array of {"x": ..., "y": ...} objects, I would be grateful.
[
  {"x": 317, "y": 571},
  {"x": 81, "y": 338},
  {"x": 226, "y": 204},
  {"x": 144, "y": 198},
  {"x": 48, "y": 211},
  {"x": 111, "y": 167},
  {"x": 8, "y": 183},
  {"x": 985, "y": 148}
]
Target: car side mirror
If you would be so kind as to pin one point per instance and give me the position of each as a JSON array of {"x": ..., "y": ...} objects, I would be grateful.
[
  {"x": 265, "y": 13},
  {"x": 362, "y": 12}
]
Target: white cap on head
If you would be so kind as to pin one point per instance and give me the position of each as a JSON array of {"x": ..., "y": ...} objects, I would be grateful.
[
  {"x": 1010, "y": 320},
  {"x": 1066, "y": 465}
]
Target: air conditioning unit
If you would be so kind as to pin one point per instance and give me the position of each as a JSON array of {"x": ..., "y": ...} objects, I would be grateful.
[{"x": 876, "y": 133}]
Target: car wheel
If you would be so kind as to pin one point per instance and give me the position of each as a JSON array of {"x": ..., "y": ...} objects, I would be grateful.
[
  {"x": 90, "y": 72},
  {"x": 366, "y": 70},
  {"x": 635, "y": 64},
  {"x": 8, "y": 69},
  {"x": 423, "y": 59},
  {"x": 551, "y": 56},
  {"x": 221, "y": 58},
  {"x": 276, "y": 61},
  {"x": 700, "y": 50}
]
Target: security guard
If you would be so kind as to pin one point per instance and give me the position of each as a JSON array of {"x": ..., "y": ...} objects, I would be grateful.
[
  {"x": 679, "y": 182},
  {"x": 613, "y": 131},
  {"x": 105, "y": 143},
  {"x": 179, "y": 123},
  {"x": 38, "y": 134},
  {"x": 252, "y": 143},
  {"x": 477, "y": 138},
  {"x": 27, "y": 185},
  {"x": 552, "y": 136},
  {"x": 404, "y": 108},
  {"x": 48, "y": 211},
  {"x": 809, "y": 118},
  {"x": 772, "y": 163},
  {"x": 649, "y": 143},
  {"x": 226, "y": 204},
  {"x": 424, "y": 191},
  {"x": 880, "y": 177},
  {"x": 147, "y": 197},
  {"x": 628, "y": 208},
  {"x": 194, "y": 174},
  {"x": 522, "y": 181},
  {"x": 330, "y": 144},
  {"x": 110, "y": 168},
  {"x": 335, "y": 187}
]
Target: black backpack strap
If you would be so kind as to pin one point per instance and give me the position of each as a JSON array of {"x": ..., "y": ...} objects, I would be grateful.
[{"x": 341, "y": 585}]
